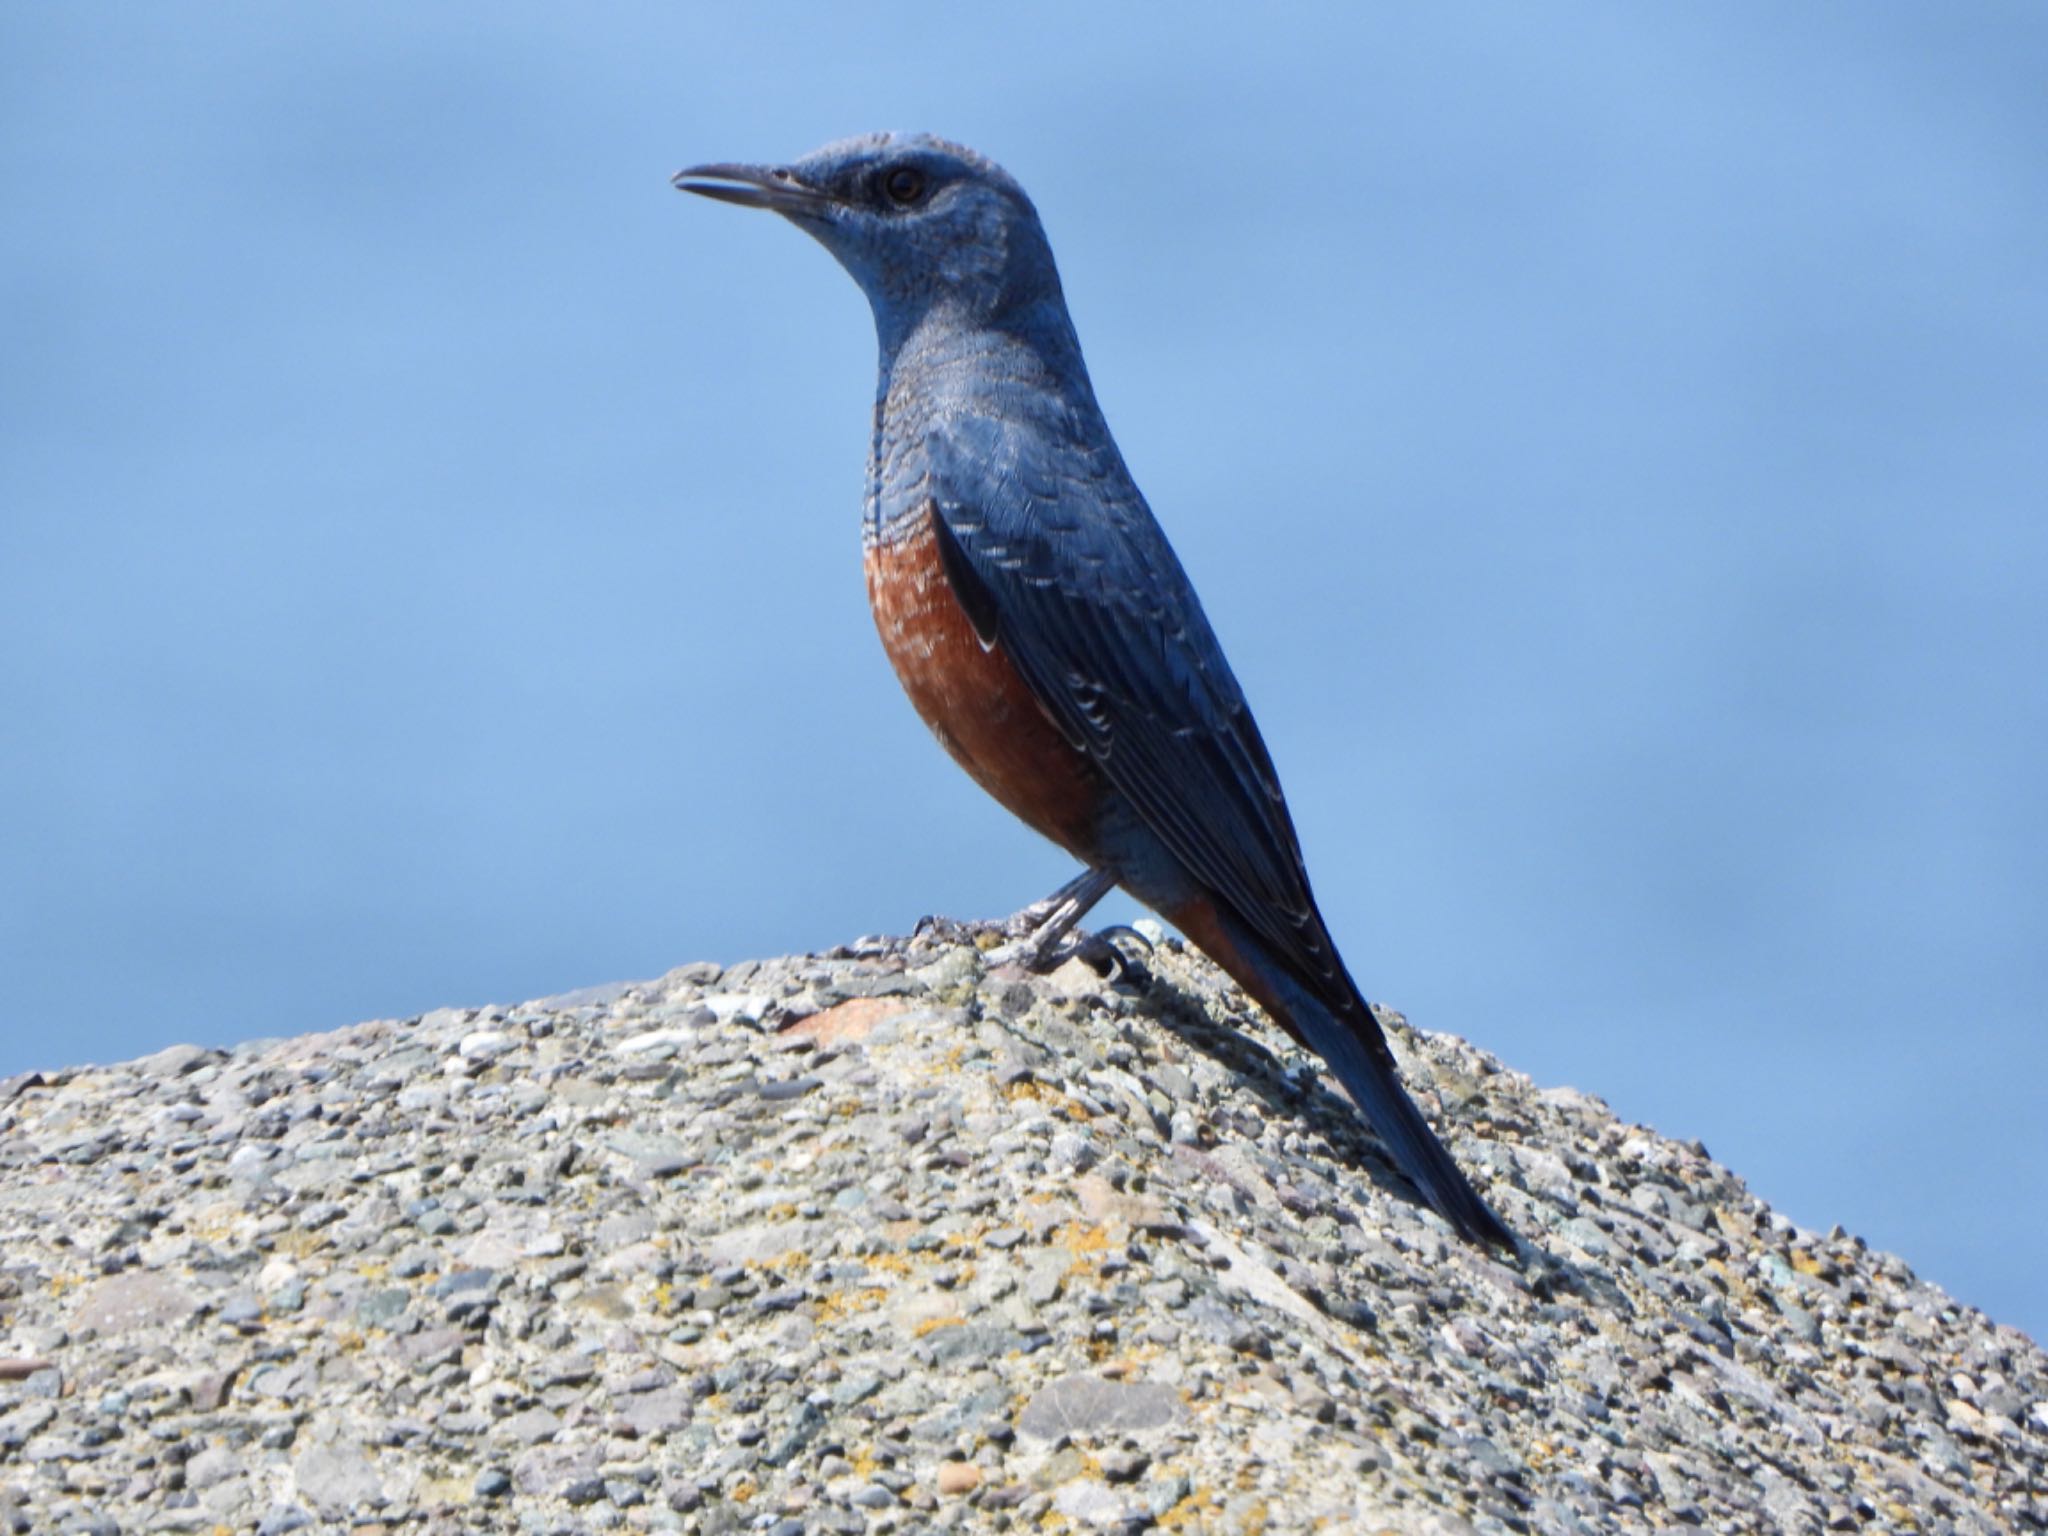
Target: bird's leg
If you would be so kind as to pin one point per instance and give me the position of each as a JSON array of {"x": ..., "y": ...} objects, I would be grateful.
[
  {"x": 1042, "y": 925},
  {"x": 1081, "y": 893}
]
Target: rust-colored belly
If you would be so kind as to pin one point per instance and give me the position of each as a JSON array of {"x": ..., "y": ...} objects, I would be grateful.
[{"x": 974, "y": 699}]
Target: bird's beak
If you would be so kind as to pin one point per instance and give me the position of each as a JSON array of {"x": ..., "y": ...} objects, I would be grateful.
[{"x": 773, "y": 187}]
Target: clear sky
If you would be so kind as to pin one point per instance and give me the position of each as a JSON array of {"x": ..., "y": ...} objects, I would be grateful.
[{"x": 1613, "y": 447}]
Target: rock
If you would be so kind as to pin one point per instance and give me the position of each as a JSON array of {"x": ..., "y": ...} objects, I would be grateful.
[
  {"x": 551, "y": 1470},
  {"x": 654, "y": 1414},
  {"x": 485, "y": 1045},
  {"x": 529, "y": 1427},
  {"x": 883, "y": 1236},
  {"x": 958, "y": 1477},
  {"x": 173, "y": 1061},
  {"x": 1090, "y": 1503},
  {"x": 138, "y": 1299},
  {"x": 336, "y": 1478},
  {"x": 1091, "y": 1405}
]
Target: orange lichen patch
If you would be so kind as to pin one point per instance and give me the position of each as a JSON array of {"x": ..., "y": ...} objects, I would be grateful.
[
  {"x": 837, "y": 1304},
  {"x": 1192, "y": 1511},
  {"x": 854, "y": 1019},
  {"x": 1052, "y": 1098},
  {"x": 1083, "y": 1241},
  {"x": 889, "y": 1263},
  {"x": 934, "y": 1324},
  {"x": 743, "y": 1490}
]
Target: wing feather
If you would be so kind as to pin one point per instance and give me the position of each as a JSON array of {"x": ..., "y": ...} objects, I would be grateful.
[{"x": 1092, "y": 606}]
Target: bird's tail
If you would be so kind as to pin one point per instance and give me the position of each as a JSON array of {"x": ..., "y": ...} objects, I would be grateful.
[
  {"x": 1414, "y": 1146},
  {"x": 1351, "y": 1043}
]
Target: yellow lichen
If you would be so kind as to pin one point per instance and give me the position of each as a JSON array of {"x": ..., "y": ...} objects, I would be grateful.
[
  {"x": 1190, "y": 1511},
  {"x": 837, "y": 1304}
]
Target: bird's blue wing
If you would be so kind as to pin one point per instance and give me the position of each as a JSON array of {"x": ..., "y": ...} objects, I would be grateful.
[
  {"x": 1064, "y": 566},
  {"x": 1058, "y": 561}
]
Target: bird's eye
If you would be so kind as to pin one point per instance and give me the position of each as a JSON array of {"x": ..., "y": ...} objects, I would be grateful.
[{"x": 905, "y": 185}]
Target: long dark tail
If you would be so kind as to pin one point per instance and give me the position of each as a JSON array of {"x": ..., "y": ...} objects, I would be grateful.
[{"x": 1356, "y": 1050}]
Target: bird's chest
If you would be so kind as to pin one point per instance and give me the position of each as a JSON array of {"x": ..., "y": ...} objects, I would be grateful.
[{"x": 972, "y": 697}]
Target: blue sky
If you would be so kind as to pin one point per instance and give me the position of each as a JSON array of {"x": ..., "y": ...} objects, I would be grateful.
[{"x": 1614, "y": 455}]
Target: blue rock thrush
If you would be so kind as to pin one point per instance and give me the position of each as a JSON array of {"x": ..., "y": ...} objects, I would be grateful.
[{"x": 1038, "y": 618}]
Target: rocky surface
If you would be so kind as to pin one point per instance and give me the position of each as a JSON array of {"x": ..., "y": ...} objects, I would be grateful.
[{"x": 887, "y": 1240}]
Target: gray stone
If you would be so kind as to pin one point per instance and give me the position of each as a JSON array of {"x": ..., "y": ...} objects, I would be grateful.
[
  {"x": 137, "y": 1299},
  {"x": 529, "y": 1426},
  {"x": 550, "y": 1470},
  {"x": 1089, "y": 1503},
  {"x": 1094, "y": 1406},
  {"x": 336, "y": 1478},
  {"x": 174, "y": 1061},
  {"x": 655, "y": 1414}
]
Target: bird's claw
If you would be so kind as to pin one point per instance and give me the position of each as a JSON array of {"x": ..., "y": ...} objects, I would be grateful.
[{"x": 1105, "y": 953}]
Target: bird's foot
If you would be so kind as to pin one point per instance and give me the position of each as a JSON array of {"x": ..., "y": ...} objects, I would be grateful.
[
  {"x": 1115, "y": 954},
  {"x": 1038, "y": 934},
  {"x": 1030, "y": 954}
]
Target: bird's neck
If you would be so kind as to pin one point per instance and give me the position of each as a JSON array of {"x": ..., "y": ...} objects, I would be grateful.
[{"x": 1028, "y": 367}]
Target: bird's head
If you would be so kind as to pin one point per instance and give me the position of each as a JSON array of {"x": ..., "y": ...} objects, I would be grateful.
[{"x": 931, "y": 231}]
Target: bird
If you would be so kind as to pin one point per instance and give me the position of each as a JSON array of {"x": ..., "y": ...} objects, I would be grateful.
[{"x": 1039, "y": 620}]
